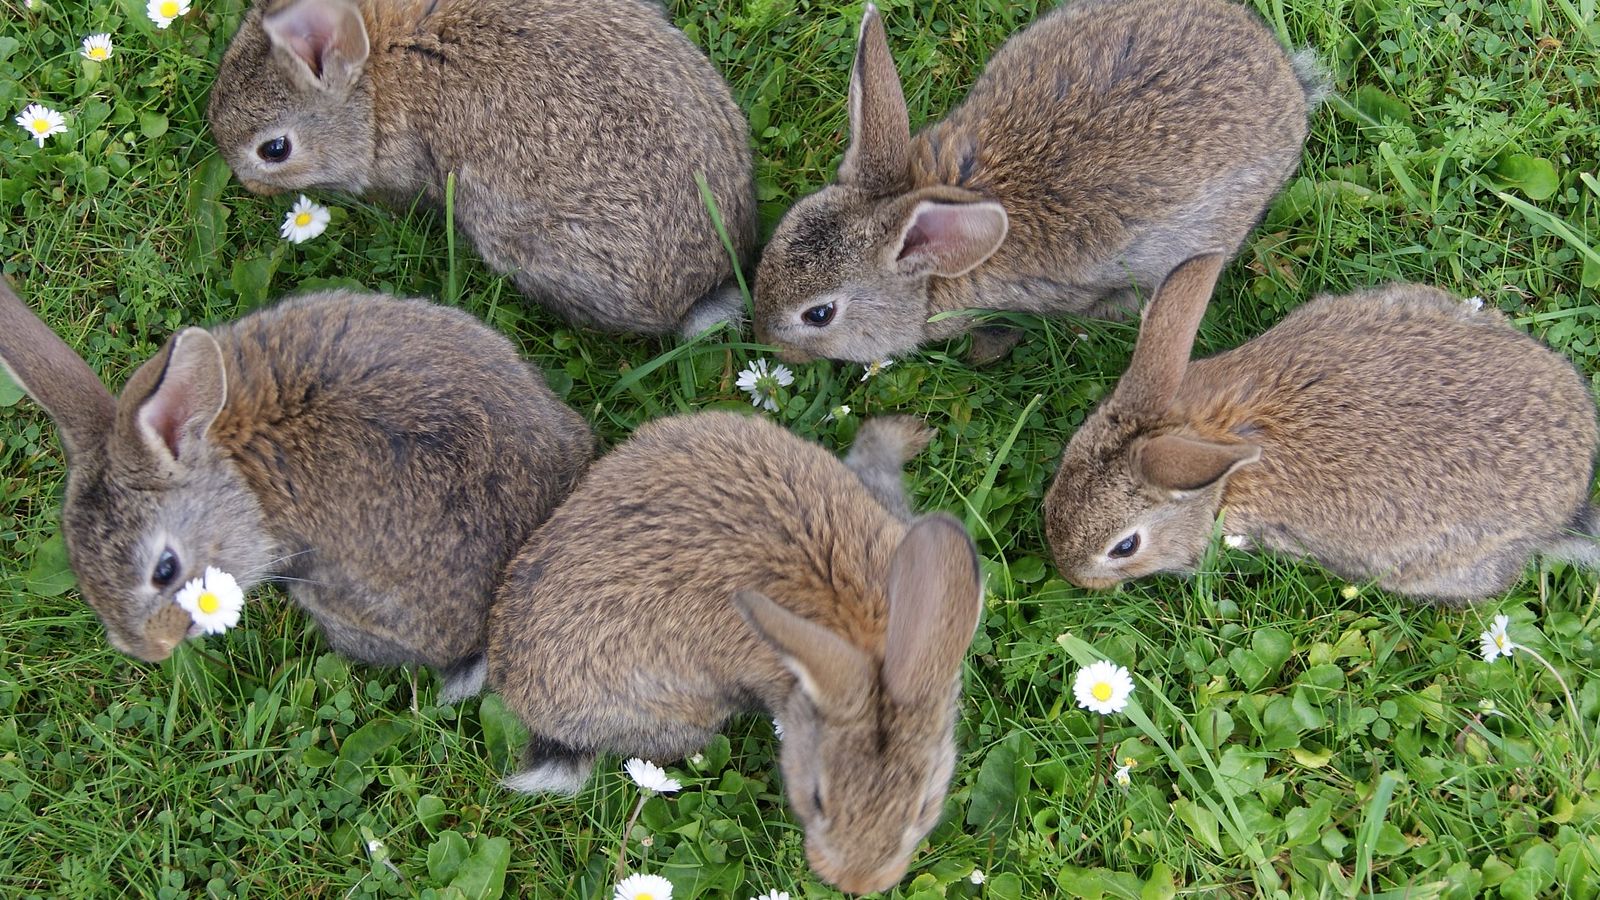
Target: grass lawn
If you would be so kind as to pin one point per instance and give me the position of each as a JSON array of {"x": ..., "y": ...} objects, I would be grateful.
[{"x": 1294, "y": 735}]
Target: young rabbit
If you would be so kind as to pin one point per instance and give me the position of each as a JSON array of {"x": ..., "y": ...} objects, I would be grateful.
[
  {"x": 1394, "y": 435},
  {"x": 574, "y": 132},
  {"x": 384, "y": 457},
  {"x": 1103, "y": 145},
  {"x": 715, "y": 563}
]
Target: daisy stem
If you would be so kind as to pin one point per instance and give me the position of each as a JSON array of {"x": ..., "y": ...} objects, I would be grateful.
[
  {"x": 622, "y": 848},
  {"x": 1577, "y": 721},
  {"x": 1099, "y": 760}
]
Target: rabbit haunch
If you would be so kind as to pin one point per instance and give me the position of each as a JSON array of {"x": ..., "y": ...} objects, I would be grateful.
[
  {"x": 574, "y": 131},
  {"x": 383, "y": 457},
  {"x": 1103, "y": 144},
  {"x": 715, "y": 563},
  {"x": 1395, "y": 435}
]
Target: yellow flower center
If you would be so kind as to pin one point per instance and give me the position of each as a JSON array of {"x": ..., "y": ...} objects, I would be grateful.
[
  {"x": 1500, "y": 641},
  {"x": 40, "y": 126},
  {"x": 209, "y": 603},
  {"x": 1101, "y": 691},
  {"x": 169, "y": 9},
  {"x": 303, "y": 219},
  {"x": 97, "y": 53},
  {"x": 644, "y": 897}
]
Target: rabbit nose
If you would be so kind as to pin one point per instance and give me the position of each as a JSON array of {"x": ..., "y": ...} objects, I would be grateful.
[{"x": 1090, "y": 582}]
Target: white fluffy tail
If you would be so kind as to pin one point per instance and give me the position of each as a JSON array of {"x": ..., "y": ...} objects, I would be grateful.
[{"x": 1315, "y": 79}]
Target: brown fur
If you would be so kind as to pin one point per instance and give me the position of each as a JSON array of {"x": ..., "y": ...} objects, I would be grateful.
[
  {"x": 1102, "y": 145},
  {"x": 1393, "y": 435},
  {"x": 574, "y": 131},
  {"x": 383, "y": 457},
  {"x": 715, "y": 563}
]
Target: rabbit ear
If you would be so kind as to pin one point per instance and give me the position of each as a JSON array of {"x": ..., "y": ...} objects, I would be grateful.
[
  {"x": 880, "y": 131},
  {"x": 323, "y": 42},
  {"x": 167, "y": 417},
  {"x": 949, "y": 239},
  {"x": 1177, "y": 463},
  {"x": 833, "y": 672},
  {"x": 1166, "y": 337},
  {"x": 934, "y": 599},
  {"x": 53, "y": 375}
]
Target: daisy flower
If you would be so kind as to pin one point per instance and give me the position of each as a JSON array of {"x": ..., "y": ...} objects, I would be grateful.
[
  {"x": 874, "y": 368},
  {"x": 212, "y": 601},
  {"x": 762, "y": 383},
  {"x": 1103, "y": 687},
  {"x": 643, "y": 887},
  {"x": 1350, "y": 592},
  {"x": 305, "y": 221},
  {"x": 1121, "y": 776},
  {"x": 1475, "y": 303},
  {"x": 97, "y": 47},
  {"x": 838, "y": 413},
  {"x": 41, "y": 121},
  {"x": 977, "y": 877},
  {"x": 163, "y": 12},
  {"x": 1496, "y": 643},
  {"x": 650, "y": 776},
  {"x": 773, "y": 895},
  {"x": 698, "y": 760}
]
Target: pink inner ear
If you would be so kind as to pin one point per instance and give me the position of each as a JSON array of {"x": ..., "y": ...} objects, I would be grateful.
[
  {"x": 165, "y": 413},
  {"x": 310, "y": 29},
  {"x": 952, "y": 238}
]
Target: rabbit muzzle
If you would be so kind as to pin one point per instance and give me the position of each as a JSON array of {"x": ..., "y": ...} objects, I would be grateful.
[
  {"x": 260, "y": 188},
  {"x": 163, "y": 632},
  {"x": 1092, "y": 582}
]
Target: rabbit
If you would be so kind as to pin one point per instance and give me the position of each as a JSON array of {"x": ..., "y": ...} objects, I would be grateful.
[
  {"x": 1395, "y": 435},
  {"x": 1103, "y": 145},
  {"x": 714, "y": 563},
  {"x": 574, "y": 131},
  {"x": 385, "y": 458}
]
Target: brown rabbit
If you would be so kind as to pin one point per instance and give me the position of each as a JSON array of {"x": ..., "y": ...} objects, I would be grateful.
[
  {"x": 574, "y": 132},
  {"x": 1394, "y": 435},
  {"x": 1103, "y": 145},
  {"x": 385, "y": 458},
  {"x": 715, "y": 563}
]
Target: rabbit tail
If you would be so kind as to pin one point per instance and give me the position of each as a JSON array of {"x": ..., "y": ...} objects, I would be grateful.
[
  {"x": 1579, "y": 544},
  {"x": 1315, "y": 79},
  {"x": 882, "y": 447}
]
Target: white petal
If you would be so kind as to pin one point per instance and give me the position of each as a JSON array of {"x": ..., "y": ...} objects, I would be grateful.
[{"x": 635, "y": 887}]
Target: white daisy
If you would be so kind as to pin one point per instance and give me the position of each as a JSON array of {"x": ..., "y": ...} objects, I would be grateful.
[
  {"x": 305, "y": 221},
  {"x": 650, "y": 776},
  {"x": 761, "y": 382},
  {"x": 698, "y": 760},
  {"x": 874, "y": 368},
  {"x": 213, "y": 601},
  {"x": 163, "y": 12},
  {"x": 977, "y": 877},
  {"x": 773, "y": 895},
  {"x": 1121, "y": 776},
  {"x": 1476, "y": 303},
  {"x": 1236, "y": 541},
  {"x": 1103, "y": 687},
  {"x": 1496, "y": 643},
  {"x": 643, "y": 887},
  {"x": 97, "y": 47},
  {"x": 838, "y": 413},
  {"x": 41, "y": 121}
]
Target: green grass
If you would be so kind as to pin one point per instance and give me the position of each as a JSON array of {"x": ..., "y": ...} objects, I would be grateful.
[{"x": 1290, "y": 740}]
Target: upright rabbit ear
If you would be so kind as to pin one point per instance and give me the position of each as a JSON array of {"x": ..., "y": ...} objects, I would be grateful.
[
  {"x": 934, "y": 599},
  {"x": 1177, "y": 463},
  {"x": 880, "y": 130},
  {"x": 170, "y": 403},
  {"x": 833, "y": 672},
  {"x": 323, "y": 42},
  {"x": 1166, "y": 337},
  {"x": 53, "y": 375},
  {"x": 949, "y": 239}
]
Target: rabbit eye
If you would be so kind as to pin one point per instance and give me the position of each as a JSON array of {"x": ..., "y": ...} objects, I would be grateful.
[
  {"x": 275, "y": 150},
  {"x": 1126, "y": 547},
  {"x": 818, "y": 316},
  {"x": 166, "y": 570}
]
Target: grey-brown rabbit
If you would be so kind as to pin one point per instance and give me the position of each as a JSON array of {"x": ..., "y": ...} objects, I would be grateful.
[
  {"x": 574, "y": 132},
  {"x": 715, "y": 563},
  {"x": 1102, "y": 146},
  {"x": 1396, "y": 435},
  {"x": 384, "y": 457}
]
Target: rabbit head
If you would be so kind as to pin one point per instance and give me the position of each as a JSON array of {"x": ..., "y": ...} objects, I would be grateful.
[
  {"x": 150, "y": 502},
  {"x": 848, "y": 271},
  {"x": 868, "y": 747},
  {"x": 1138, "y": 491},
  {"x": 291, "y": 108}
]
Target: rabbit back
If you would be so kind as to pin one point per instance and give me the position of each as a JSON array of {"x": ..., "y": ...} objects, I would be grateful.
[
  {"x": 400, "y": 452},
  {"x": 1405, "y": 437}
]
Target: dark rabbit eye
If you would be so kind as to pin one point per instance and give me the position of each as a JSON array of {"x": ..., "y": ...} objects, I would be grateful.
[
  {"x": 275, "y": 150},
  {"x": 166, "y": 570},
  {"x": 818, "y": 316},
  {"x": 1126, "y": 547}
]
